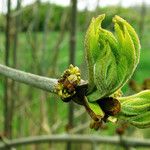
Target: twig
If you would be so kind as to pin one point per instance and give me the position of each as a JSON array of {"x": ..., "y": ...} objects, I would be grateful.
[
  {"x": 79, "y": 113},
  {"x": 21, "y": 11},
  {"x": 80, "y": 128},
  {"x": 44, "y": 83},
  {"x": 47, "y": 84},
  {"x": 123, "y": 143},
  {"x": 131, "y": 142},
  {"x": 56, "y": 48},
  {"x": 89, "y": 111}
]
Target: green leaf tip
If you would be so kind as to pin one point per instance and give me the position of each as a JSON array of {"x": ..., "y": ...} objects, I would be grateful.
[
  {"x": 91, "y": 40},
  {"x": 111, "y": 58},
  {"x": 135, "y": 109}
]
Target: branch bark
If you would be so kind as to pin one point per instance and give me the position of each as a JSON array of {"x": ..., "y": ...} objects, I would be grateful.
[
  {"x": 47, "y": 84},
  {"x": 132, "y": 142},
  {"x": 44, "y": 83}
]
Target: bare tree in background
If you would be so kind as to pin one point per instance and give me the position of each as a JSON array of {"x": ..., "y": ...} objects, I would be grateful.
[
  {"x": 38, "y": 56},
  {"x": 7, "y": 123},
  {"x": 73, "y": 31},
  {"x": 72, "y": 50},
  {"x": 17, "y": 28},
  {"x": 56, "y": 48},
  {"x": 14, "y": 87}
]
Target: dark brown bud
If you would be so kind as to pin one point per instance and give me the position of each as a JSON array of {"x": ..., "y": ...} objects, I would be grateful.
[
  {"x": 146, "y": 84},
  {"x": 110, "y": 106},
  {"x": 120, "y": 131}
]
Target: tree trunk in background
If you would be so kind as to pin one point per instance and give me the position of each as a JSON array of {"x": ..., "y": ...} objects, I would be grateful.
[
  {"x": 14, "y": 87},
  {"x": 46, "y": 32},
  {"x": 142, "y": 20},
  {"x": 73, "y": 31},
  {"x": 17, "y": 28},
  {"x": 33, "y": 37},
  {"x": 72, "y": 59},
  {"x": 7, "y": 123}
]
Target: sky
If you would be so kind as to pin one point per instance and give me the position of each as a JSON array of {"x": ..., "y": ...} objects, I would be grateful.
[{"x": 90, "y": 4}]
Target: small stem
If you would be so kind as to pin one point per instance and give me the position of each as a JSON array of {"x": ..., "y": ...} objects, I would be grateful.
[{"x": 90, "y": 112}]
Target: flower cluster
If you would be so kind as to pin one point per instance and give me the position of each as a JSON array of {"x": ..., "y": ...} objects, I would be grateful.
[{"x": 68, "y": 82}]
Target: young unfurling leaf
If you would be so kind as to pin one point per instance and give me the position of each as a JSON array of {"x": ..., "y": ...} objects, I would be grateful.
[
  {"x": 135, "y": 109},
  {"x": 111, "y": 59},
  {"x": 135, "y": 104},
  {"x": 92, "y": 47}
]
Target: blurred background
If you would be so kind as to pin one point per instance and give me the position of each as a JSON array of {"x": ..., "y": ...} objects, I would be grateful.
[{"x": 43, "y": 37}]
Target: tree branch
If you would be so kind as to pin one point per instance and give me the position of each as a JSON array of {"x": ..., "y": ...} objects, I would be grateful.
[
  {"x": 44, "y": 83},
  {"x": 74, "y": 138}
]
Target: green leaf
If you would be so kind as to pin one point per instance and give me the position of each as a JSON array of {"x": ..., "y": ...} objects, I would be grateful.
[
  {"x": 96, "y": 109},
  {"x": 92, "y": 47},
  {"x": 140, "y": 121},
  {"x": 93, "y": 109},
  {"x": 111, "y": 60},
  {"x": 133, "y": 35},
  {"x": 135, "y": 109},
  {"x": 135, "y": 104},
  {"x": 104, "y": 73}
]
